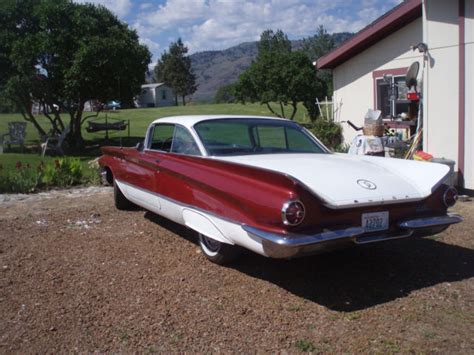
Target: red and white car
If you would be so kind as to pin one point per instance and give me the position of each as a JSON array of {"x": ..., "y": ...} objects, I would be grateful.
[{"x": 270, "y": 186}]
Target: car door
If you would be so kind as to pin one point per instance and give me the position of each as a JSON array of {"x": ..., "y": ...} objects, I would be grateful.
[
  {"x": 143, "y": 167},
  {"x": 166, "y": 147}
]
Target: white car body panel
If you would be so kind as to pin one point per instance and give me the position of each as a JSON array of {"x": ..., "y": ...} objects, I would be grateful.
[
  {"x": 202, "y": 222},
  {"x": 334, "y": 177}
]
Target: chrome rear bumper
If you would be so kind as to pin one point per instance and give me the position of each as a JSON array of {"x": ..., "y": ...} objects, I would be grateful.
[{"x": 277, "y": 245}]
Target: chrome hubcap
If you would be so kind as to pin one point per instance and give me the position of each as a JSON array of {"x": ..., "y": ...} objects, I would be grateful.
[{"x": 210, "y": 244}]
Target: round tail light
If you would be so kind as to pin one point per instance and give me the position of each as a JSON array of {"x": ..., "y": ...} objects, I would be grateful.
[
  {"x": 292, "y": 213},
  {"x": 450, "y": 197}
]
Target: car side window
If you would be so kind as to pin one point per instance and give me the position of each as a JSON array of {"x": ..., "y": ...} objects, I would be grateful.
[
  {"x": 184, "y": 143},
  {"x": 162, "y": 137}
]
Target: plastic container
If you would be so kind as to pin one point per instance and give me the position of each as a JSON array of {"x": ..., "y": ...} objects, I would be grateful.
[{"x": 451, "y": 177}]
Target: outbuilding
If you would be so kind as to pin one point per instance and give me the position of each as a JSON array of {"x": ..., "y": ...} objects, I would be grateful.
[
  {"x": 155, "y": 95},
  {"x": 437, "y": 34}
]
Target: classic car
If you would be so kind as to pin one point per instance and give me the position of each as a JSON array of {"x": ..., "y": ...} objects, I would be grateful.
[
  {"x": 269, "y": 185},
  {"x": 112, "y": 105}
]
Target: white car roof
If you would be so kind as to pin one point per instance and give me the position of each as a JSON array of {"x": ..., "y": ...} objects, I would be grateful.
[{"x": 190, "y": 120}]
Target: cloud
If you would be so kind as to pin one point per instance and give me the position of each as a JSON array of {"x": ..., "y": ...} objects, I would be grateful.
[
  {"x": 152, "y": 45},
  {"x": 119, "y": 7},
  {"x": 146, "y": 5},
  {"x": 175, "y": 12},
  {"x": 218, "y": 24}
]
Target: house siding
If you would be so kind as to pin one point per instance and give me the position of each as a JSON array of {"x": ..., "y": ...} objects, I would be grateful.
[
  {"x": 469, "y": 95},
  {"x": 441, "y": 84},
  {"x": 152, "y": 96},
  {"x": 447, "y": 27},
  {"x": 353, "y": 80}
]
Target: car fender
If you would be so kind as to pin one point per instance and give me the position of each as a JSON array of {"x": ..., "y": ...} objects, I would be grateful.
[{"x": 202, "y": 224}]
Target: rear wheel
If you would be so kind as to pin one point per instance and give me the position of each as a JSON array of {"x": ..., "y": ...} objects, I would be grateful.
[
  {"x": 218, "y": 252},
  {"x": 121, "y": 202}
]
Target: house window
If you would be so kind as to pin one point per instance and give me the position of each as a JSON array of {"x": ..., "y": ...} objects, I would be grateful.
[
  {"x": 391, "y": 92},
  {"x": 392, "y": 96},
  {"x": 163, "y": 94}
]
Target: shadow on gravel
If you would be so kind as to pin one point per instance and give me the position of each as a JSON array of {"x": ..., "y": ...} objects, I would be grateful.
[
  {"x": 357, "y": 278},
  {"x": 362, "y": 277},
  {"x": 178, "y": 229}
]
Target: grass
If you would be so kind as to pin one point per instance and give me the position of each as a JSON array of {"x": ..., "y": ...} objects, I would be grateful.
[
  {"x": 305, "y": 346},
  {"x": 141, "y": 118}
]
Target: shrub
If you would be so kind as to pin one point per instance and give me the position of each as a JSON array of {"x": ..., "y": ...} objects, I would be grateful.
[
  {"x": 327, "y": 131},
  {"x": 64, "y": 172},
  {"x": 23, "y": 179}
]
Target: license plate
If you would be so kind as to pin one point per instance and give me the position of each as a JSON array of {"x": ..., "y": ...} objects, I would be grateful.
[{"x": 375, "y": 221}]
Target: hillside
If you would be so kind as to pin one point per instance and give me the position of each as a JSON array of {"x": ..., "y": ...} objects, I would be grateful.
[{"x": 214, "y": 69}]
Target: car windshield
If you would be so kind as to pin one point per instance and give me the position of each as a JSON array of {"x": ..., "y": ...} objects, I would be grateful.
[{"x": 244, "y": 136}]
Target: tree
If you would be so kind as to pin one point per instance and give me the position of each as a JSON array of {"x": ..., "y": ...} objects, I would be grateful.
[
  {"x": 225, "y": 94},
  {"x": 61, "y": 54},
  {"x": 279, "y": 75},
  {"x": 317, "y": 46},
  {"x": 174, "y": 69}
]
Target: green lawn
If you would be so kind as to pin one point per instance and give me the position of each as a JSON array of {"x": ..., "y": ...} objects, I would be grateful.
[
  {"x": 141, "y": 118},
  {"x": 139, "y": 121}
]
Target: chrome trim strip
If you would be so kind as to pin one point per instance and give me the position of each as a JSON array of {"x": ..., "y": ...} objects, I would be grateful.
[
  {"x": 455, "y": 196},
  {"x": 428, "y": 222},
  {"x": 298, "y": 240},
  {"x": 380, "y": 238},
  {"x": 285, "y": 207}
]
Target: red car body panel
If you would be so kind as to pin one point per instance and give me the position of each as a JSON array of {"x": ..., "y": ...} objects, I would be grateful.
[{"x": 244, "y": 194}]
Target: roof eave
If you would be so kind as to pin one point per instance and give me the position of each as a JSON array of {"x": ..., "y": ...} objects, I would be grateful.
[{"x": 382, "y": 27}]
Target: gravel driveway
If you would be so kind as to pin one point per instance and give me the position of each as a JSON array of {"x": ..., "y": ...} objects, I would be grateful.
[{"x": 79, "y": 276}]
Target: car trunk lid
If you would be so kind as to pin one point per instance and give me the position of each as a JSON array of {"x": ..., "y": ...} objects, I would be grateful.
[{"x": 343, "y": 180}]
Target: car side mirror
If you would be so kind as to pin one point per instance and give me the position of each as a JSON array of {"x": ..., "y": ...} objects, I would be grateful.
[{"x": 140, "y": 146}]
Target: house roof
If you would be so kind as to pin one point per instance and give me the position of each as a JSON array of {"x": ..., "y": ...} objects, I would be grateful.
[
  {"x": 385, "y": 25},
  {"x": 152, "y": 86}
]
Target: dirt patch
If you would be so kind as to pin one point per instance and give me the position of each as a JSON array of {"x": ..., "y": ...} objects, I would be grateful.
[{"x": 78, "y": 275}]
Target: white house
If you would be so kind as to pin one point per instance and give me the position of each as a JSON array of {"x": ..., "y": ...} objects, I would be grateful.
[
  {"x": 444, "y": 31},
  {"x": 155, "y": 95}
]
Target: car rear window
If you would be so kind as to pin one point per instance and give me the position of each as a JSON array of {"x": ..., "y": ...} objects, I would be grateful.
[{"x": 255, "y": 136}]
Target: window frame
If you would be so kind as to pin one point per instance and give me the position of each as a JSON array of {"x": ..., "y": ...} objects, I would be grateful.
[
  {"x": 304, "y": 131},
  {"x": 149, "y": 138},
  {"x": 378, "y": 75}
]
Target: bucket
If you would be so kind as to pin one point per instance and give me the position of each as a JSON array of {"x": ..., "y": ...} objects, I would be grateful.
[{"x": 450, "y": 179}]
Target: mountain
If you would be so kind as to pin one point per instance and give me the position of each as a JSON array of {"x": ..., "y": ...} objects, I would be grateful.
[{"x": 214, "y": 69}]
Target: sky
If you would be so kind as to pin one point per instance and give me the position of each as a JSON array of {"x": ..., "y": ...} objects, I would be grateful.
[{"x": 218, "y": 24}]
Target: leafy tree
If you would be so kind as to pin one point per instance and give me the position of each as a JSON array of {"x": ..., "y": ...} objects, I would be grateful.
[
  {"x": 317, "y": 46},
  {"x": 279, "y": 75},
  {"x": 225, "y": 94},
  {"x": 61, "y": 54},
  {"x": 273, "y": 43},
  {"x": 174, "y": 69}
]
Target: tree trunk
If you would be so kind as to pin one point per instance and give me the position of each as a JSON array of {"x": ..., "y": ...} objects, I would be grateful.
[
  {"x": 295, "y": 108},
  {"x": 75, "y": 135},
  {"x": 176, "y": 99},
  {"x": 282, "y": 109},
  {"x": 184, "y": 100},
  {"x": 271, "y": 110},
  {"x": 28, "y": 116}
]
